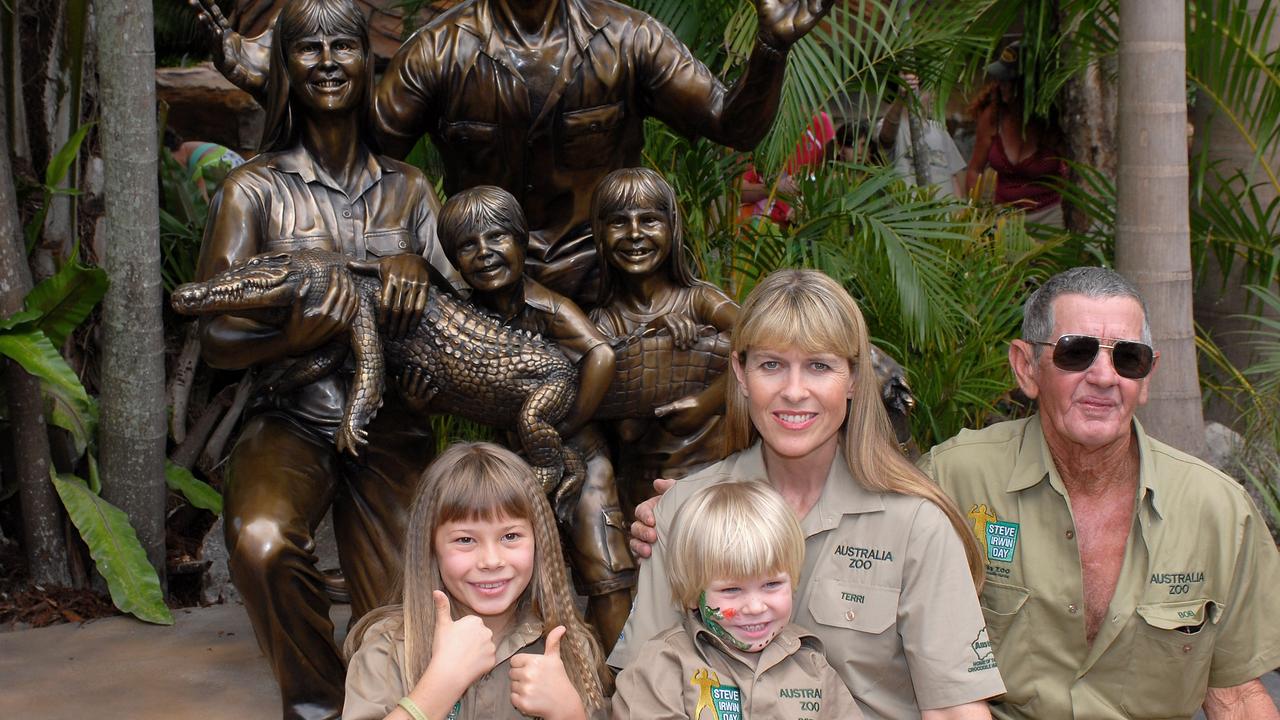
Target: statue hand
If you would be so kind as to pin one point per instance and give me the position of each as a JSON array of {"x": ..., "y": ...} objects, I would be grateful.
[
  {"x": 243, "y": 61},
  {"x": 684, "y": 331},
  {"x": 682, "y": 417},
  {"x": 310, "y": 326},
  {"x": 415, "y": 385},
  {"x": 405, "y": 281},
  {"x": 783, "y": 22}
]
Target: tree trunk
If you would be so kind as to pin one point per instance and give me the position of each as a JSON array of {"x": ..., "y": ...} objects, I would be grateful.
[
  {"x": 132, "y": 426},
  {"x": 42, "y": 536},
  {"x": 1153, "y": 234}
]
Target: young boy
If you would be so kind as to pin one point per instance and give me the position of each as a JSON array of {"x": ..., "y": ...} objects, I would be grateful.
[
  {"x": 734, "y": 553},
  {"x": 483, "y": 232}
]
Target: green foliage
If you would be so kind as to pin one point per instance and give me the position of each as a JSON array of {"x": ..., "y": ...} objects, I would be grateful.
[
  {"x": 197, "y": 492},
  {"x": 54, "y": 174},
  {"x": 133, "y": 583},
  {"x": 182, "y": 220}
]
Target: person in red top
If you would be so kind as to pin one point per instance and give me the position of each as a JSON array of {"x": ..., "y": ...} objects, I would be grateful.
[
  {"x": 759, "y": 199},
  {"x": 1024, "y": 153}
]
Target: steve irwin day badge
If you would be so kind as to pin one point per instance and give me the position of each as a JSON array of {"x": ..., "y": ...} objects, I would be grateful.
[{"x": 1000, "y": 539}]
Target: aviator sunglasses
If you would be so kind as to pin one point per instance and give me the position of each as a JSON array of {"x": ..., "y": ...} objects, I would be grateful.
[{"x": 1076, "y": 353}]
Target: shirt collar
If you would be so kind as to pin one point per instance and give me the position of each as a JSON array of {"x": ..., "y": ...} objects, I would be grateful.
[
  {"x": 841, "y": 494},
  {"x": 1035, "y": 464},
  {"x": 297, "y": 161},
  {"x": 580, "y": 22},
  {"x": 526, "y": 629}
]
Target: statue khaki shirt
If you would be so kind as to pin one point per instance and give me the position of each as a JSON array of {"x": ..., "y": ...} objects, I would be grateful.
[
  {"x": 458, "y": 81},
  {"x": 1197, "y": 601},
  {"x": 885, "y": 587},
  {"x": 686, "y": 669}
]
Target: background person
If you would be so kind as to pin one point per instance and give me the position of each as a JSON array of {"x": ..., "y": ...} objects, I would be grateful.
[
  {"x": 1025, "y": 153},
  {"x": 946, "y": 165},
  {"x": 889, "y": 570}
]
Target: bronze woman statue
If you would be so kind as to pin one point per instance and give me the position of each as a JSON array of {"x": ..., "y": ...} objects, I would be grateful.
[{"x": 318, "y": 183}]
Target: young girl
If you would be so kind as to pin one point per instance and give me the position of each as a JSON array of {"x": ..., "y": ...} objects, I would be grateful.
[
  {"x": 484, "y": 583},
  {"x": 647, "y": 284}
]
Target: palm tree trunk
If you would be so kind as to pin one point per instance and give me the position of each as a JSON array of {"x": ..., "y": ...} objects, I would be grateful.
[
  {"x": 132, "y": 426},
  {"x": 1153, "y": 235},
  {"x": 42, "y": 535}
]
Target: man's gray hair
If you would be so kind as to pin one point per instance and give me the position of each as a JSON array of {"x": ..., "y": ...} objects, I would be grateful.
[{"x": 1091, "y": 282}]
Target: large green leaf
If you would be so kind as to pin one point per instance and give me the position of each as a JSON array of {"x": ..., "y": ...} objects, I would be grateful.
[
  {"x": 114, "y": 546},
  {"x": 70, "y": 407},
  {"x": 196, "y": 491},
  {"x": 66, "y": 299}
]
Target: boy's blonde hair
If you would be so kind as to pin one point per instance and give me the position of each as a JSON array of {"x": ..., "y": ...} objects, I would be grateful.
[{"x": 732, "y": 530}]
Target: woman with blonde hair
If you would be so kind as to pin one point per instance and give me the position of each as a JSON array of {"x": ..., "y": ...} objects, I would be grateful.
[
  {"x": 486, "y": 626},
  {"x": 890, "y": 568}
]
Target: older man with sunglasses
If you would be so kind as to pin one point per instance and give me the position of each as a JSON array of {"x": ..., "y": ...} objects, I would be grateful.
[{"x": 1124, "y": 579}]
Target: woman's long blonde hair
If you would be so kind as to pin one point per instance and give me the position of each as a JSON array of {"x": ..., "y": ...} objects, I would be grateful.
[
  {"x": 471, "y": 481},
  {"x": 809, "y": 310}
]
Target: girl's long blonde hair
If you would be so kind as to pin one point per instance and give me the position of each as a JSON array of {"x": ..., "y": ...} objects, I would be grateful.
[
  {"x": 809, "y": 310},
  {"x": 471, "y": 481}
]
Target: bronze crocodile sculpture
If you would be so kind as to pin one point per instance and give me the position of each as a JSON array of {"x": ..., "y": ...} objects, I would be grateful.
[{"x": 477, "y": 368}]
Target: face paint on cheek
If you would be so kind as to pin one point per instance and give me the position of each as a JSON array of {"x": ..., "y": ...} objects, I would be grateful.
[{"x": 712, "y": 617}]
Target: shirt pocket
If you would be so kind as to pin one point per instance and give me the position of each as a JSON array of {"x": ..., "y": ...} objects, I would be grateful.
[
  {"x": 383, "y": 243},
  {"x": 588, "y": 137},
  {"x": 475, "y": 140},
  {"x": 854, "y": 606},
  {"x": 1178, "y": 638},
  {"x": 1001, "y": 605}
]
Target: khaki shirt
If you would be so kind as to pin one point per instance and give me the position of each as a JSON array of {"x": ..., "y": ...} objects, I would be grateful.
[
  {"x": 686, "y": 668},
  {"x": 1197, "y": 601},
  {"x": 885, "y": 587},
  {"x": 556, "y": 318},
  {"x": 376, "y": 674}
]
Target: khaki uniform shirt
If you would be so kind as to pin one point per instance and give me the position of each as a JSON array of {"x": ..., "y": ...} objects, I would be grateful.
[
  {"x": 376, "y": 675},
  {"x": 1197, "y": 601},
  {"x": 885, "y": 587},
  {"x": 686, "y": 669}
]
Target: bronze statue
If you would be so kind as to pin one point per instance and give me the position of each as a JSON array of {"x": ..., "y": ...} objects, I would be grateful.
[
  {"x": 456, "y": 359},
  {"x": 318, "y": 185},
  {"x": 545, "y": 97}
]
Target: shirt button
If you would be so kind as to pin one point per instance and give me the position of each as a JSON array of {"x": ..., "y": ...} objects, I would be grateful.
[
  {"x": 528, "y": 188},
  {"x": 1071, "y": 534},
  {"x": 403, "y": 244},
  {"x": 1186, "y": 648},
  {"x": 850, "y": 615},
  {"x": 346, "y": 213},
  {"x": 1072, "y": 609}
]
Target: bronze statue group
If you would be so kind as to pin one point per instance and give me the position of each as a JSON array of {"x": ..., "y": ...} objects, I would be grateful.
[{"x": 802, "y": 566}]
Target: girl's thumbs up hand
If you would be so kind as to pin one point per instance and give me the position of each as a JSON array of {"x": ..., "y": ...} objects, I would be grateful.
[
  {"x": 462, "y": 648},
  {"x": 540, "y": 687}
]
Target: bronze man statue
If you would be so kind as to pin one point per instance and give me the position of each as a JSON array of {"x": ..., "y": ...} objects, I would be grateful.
[
  {"x": 545, "y": 97},
  {"x": 318, "y": 184}
]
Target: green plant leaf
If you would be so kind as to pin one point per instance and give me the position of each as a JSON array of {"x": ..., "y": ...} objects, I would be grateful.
[
  {"x": 116, "y": 552},
  {"x": 69, "y": 406},
  {"x": 196, "y": 491},
  {"x": 66, "y": 299},
  {"x": 66, "y": 155}
]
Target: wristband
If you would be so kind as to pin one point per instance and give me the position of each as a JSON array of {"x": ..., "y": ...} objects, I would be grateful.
[{"x": 412, "y": 708}]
